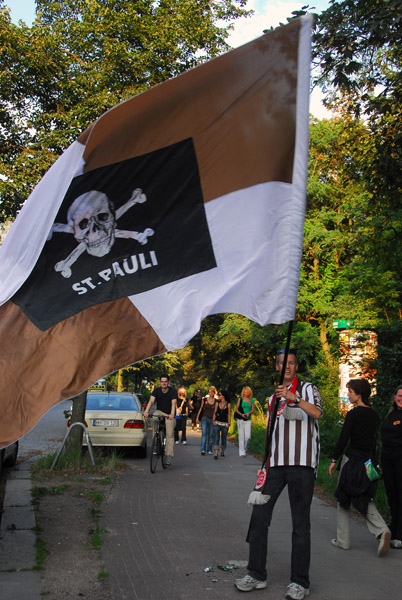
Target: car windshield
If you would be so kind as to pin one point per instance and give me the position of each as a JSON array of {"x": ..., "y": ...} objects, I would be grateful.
[{"x": 109, "y": 402}]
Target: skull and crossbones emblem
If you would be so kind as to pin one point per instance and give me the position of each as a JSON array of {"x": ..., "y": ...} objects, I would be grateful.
[{"x": 92, "y": 218}]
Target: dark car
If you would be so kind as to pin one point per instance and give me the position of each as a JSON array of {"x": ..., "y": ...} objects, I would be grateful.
[{"x": 8, "y": 456}]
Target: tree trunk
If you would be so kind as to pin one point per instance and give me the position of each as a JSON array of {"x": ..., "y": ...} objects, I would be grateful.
[
  {"x": 77, "y": 416},
  {"x": 120, "y": 385}
]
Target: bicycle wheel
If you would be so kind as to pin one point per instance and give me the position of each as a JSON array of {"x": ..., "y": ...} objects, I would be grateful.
[
  {"x": 163, "y": 447},
  {"x": 155, "y": 451}
]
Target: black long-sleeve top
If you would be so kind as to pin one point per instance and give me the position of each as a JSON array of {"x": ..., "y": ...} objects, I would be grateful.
[
  {"x": 391, "y": 433},
  {"x": 360, "y": 429}
]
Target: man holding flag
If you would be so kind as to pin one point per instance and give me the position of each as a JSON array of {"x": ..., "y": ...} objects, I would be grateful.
[{"x": 292, "y": 461}]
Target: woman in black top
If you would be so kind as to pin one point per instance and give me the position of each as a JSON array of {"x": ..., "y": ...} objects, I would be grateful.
[
  {"x": 206, "y": 413},
  {"x": 360, "y": 430},
  {"x": 391, "y": 462},
  {"x": 181, "y": 416},
  {"x": 195, "y": 405},
  {"x": 221, "y": 421}
]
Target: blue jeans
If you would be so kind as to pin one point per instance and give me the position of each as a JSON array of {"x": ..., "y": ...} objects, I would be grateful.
[
  {"x": 206, "y": 434},
  {"x": 300, "y": 482},
  {"x": 220, "y": 431}
]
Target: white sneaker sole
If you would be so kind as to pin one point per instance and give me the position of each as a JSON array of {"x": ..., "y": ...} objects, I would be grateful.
[{"x": 249, "y": 588}]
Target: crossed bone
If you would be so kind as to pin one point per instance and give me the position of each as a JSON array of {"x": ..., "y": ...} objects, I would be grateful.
[{"x": 64, "y": 266}]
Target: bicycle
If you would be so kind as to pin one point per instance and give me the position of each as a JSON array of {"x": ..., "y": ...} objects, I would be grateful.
[{"x": 158, "y": 443}]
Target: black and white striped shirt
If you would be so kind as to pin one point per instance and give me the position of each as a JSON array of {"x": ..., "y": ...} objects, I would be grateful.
[{"x": 297, "y": 442}]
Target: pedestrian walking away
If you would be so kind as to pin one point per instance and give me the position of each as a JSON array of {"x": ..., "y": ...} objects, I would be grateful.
[
  {"x": 181, "y": 416},
  {"x": 205, "y": 414},
  {"x": 360, "y": 431},
  {"x": 391, "y": 462},
  {"x": 195, "y": 405},
  {"x": 166, "y": 399},
  {"x": 244, "y": 410},
  {"x": 221, "y": 421},
  {"x": 292, "y": 462}
]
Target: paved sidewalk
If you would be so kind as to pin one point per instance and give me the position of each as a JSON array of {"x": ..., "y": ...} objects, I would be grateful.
[
  {"x": 164, "y": 529},
  {"x": 17, "y": 536},
  {"x": 17, "y": 539}
]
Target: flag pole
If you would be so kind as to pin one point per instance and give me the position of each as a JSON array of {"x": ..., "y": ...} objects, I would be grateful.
[
  {"x": 287, "y": 347},
  {"x": 272, "y": 419},
  {"x": 256, "y": 496}
]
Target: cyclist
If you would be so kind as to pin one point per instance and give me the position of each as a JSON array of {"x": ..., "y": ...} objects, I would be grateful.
[{"x": 165, "y": 397}]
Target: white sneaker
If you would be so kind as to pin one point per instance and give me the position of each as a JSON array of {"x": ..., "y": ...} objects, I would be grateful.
[
  {"x": 297, "y": 592},
  {"x": 248, "y": 584},
  {"x": 335, "y": 543},
  {"x": 396, "y": 543},
  {"x": 184, "y": 443}
]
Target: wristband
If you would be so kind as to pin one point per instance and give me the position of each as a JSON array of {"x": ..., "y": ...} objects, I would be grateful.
[{"x": 333, "y": 460}]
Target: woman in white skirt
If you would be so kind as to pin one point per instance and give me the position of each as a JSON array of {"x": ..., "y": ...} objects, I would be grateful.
[{"x": 244, "y": 410}]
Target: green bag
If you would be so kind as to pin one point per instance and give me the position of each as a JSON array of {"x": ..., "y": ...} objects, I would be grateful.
[{"x": 372, "y": 472}]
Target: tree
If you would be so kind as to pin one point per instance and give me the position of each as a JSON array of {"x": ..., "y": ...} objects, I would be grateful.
[
  {"x": 336, "y": 216},
  {"x": 358, "y": 51},
  {"x": 82, "y": 57}
]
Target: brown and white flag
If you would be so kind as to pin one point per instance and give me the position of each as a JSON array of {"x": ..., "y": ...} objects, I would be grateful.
[{"x": 182, "y": 202}]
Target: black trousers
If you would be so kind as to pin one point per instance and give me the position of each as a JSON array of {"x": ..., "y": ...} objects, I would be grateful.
[
  {"x": 181, "y": 425},
  {"x": 392, "y": 475},
  {"x": 300, "y": 482}
]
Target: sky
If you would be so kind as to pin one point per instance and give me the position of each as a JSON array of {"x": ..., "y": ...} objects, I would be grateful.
[{"x": 267, "y": 13}]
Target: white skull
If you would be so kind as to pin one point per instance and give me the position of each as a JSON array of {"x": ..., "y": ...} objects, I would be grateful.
[{"x": 92, "y": 218}]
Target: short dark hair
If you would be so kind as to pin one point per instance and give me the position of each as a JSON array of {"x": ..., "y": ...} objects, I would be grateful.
[
  {"x": 164, "y": 376},
  {"x": 362, "y": 388},
  {"x": 291, "y": 351}
]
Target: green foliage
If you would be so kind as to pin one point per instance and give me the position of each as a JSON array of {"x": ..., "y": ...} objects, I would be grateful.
[
  {"x": 96, "y": 497},
  {"x": 40, "y": 491},
  {"x": 388, "y": 366},
  {"x": 256, "y": 444},
  {"x": 324, "y": 481},
  {"x": 358, "y": 52},
  {"x": 82, "y": 57},
  {"x": 41, "y": 553},
  {"x": 96, "y": 531},
  {"x": 73, "y": 461},
  {"x": 357, "y": 43},
  {"x": 102, "y": 575}
]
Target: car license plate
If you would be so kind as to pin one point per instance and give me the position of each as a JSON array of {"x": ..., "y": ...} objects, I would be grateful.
[{"x": 106, "y": 422}]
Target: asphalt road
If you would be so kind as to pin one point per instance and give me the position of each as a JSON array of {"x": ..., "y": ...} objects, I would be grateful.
[{"x": 47, "y": 434}]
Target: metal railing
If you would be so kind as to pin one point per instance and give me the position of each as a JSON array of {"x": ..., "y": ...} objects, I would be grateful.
[{"x": 88, "y": 440}]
